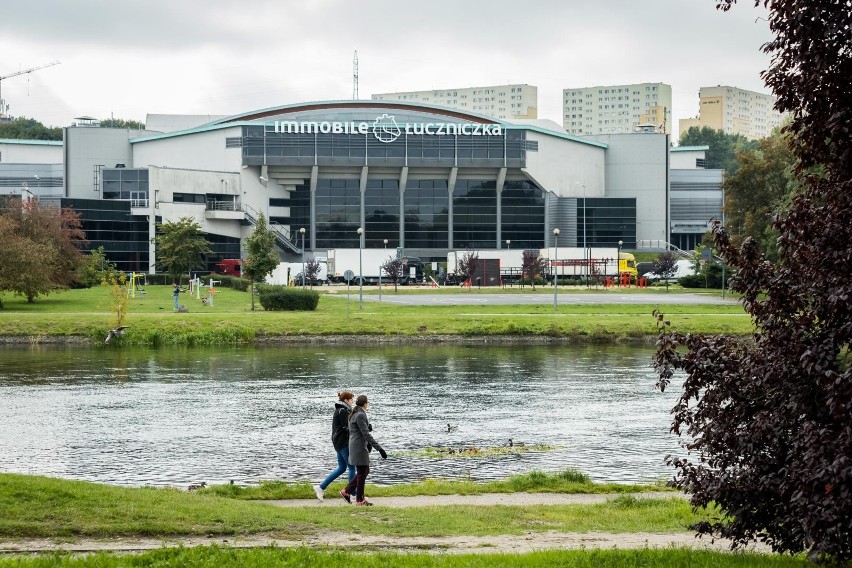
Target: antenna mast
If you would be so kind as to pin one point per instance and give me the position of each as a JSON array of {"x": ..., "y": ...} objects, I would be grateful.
[
  {"x": 3, "y": 105},
  {"x": 355, "y": 77}
]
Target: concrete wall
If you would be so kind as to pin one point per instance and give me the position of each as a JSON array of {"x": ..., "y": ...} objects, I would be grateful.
[
  {"x": 87, "y": 147},
  {"x": 196, "y": 151},
  {"x": 637, "y": 166},
  {"x": 563, "y": 166},
  {"x": 30, "y": 152}
]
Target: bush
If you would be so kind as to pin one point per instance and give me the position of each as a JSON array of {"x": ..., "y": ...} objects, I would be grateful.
[
  {"x": 228, "y": 281},
  {"x": 692, "y": 281},
  {"x": 277, "y": 298}
]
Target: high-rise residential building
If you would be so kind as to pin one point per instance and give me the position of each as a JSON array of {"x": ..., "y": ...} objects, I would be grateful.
[
  {"x": 734, "y": 111},
  {"x": 500, "y": 101},
  {"x": 617, "y": 109}
]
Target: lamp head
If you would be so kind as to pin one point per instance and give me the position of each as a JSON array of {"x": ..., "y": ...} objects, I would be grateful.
[
  {"x": 620, "y": 243},
  {"x": 386, "y": 241},
  {"x": 556, "y": 232},
  {"x": 360, "y": 230},
  {"x": 302, "y": 230}
]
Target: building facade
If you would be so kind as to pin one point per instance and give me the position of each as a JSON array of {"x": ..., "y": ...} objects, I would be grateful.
[
  {"x": 424, "y": 178},
  {"x": 500, "y": 101},
  {"x": 617, "y": 109},
  {"x": 734, "y": 111},
  {"x": 696, "y": 196}
]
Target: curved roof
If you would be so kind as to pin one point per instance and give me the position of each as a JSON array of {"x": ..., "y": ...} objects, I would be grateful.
[{"x": 332, "y": 106}]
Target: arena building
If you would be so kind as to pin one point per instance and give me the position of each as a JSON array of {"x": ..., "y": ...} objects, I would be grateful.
[{"x": 421, "y": 178}]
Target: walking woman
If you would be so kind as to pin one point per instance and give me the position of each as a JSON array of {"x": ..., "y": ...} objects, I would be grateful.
[
  {"x": 340, "y": 440},
  {"x": 360, "y": 442}
]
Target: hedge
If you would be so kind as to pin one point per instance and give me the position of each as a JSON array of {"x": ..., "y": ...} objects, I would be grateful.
[{"x": 277, "y": 298}]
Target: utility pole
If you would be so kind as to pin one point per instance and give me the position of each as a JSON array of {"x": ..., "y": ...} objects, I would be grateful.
[{"x": 3, "y": 104}]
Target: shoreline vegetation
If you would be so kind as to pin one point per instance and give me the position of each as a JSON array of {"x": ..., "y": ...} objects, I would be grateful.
[{"x": 80, "y": 317}]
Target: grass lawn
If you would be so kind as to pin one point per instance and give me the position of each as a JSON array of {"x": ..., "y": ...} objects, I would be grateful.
[
  {"x": 305, "y": 558},
  {"x": 230, "y": 320},
  {"x": 41, "y": 507}
]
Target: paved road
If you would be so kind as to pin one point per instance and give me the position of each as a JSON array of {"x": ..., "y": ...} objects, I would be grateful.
[{"x": 565, "y": 298}]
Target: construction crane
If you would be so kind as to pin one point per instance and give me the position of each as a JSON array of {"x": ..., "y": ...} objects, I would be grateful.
[{"x": 24, "y": 72}]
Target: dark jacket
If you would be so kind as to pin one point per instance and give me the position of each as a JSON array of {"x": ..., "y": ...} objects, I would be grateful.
[
  {"x": 340, "y": 425},
  {"x": 359, "y": 437}
]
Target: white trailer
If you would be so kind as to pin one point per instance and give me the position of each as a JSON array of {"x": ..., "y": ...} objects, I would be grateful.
[
  {"x": 287, "y": 273},
  {"x": 569, "y": 262},
  {"x": 577, "y": 261},
  {"x": 362, "y": 262}
]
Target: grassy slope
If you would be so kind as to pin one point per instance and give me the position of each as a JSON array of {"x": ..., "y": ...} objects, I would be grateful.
[
  {"x": 33, "y": 507},
  {"x": 230, "y": 320},
  {"x": 304, "y": 558}
]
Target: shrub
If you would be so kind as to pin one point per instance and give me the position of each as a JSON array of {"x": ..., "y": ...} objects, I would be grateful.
[
  {"x": 277, "y": 298},
  {"x": 228, "y": 281}
]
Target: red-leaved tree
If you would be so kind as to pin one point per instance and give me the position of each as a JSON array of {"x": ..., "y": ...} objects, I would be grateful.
[{"x": 769, "y": 419}]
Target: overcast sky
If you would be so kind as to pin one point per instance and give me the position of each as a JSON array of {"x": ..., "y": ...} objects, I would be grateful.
[{"x": 129, "y": 58}]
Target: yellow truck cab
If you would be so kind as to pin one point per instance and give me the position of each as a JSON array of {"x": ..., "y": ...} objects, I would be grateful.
[{"x": 627, "y": 264}]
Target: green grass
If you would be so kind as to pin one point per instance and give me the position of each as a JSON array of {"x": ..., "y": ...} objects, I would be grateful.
[
  {"x": 230, "y": 321},
  {"x": 41, "y": 507},
  {"x": 568, "y": 481},
  {"x": 223, "y": 557}
]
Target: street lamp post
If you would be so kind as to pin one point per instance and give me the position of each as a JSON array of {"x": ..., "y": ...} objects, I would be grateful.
[
  {"x": 583, "y": 185},
  {"x": 618, "y": 263},
  {"x": 381, "y": 268},
  {"x": 555, "y": 263},
  {"x": 508, "y": 244},
  {"x": 360, "y": 269},
  {"x": 302, "y": 233}
]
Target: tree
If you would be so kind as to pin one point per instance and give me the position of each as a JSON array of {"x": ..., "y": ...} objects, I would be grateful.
[
  {"x": 723, "y": 146},
  {"x": 762, "y": 186},
  {"x": 181, "y": 246},
  {"x": 261, "y": 258},
  {"x": 95, "y": 268},
  {"x": 665, "y": 266},
  {"x": 394, "y": 268},
  {"x": 532, "y": 265},
  {"x": 769, "y": 419},
  {"x": 467, "y": 265},
  {"x": 29, "y": 129},
  {"x": 121, "y": 123},
  {"x": 39, "y": 247},
  {"x": 312, "y": 270}
]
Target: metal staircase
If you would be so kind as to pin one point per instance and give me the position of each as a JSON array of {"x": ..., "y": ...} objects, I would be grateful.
[
  {"x": 657, "y": 245},
  {"x": 281, "y": 232}
]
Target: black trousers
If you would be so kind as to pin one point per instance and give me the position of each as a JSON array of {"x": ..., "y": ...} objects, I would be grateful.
[{"x": 356, "y": 486}]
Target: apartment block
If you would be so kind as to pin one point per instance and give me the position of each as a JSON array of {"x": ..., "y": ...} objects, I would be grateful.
[
  {"x": 500, "y": 101},
  {"x": 734, "y": 111},
  {"x": 617, "y": 109}
]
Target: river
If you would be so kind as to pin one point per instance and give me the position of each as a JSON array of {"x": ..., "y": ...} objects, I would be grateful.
[{"x": 135, "y": 416}]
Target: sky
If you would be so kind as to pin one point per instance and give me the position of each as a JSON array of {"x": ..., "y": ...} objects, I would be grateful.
[{"x": 126, "y": 59}]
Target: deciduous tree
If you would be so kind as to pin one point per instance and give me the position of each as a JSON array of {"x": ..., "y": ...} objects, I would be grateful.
[
  {"x": 394, "y": 268},
  {"x": 769, "y": 421},
  {"x": 39, "y": 247},
  {"x": 533, "y": 265},
  {"x": 261, "y": 258},
  {"x": 665, "y": 266},
  {"x": 181, "y": 246}
]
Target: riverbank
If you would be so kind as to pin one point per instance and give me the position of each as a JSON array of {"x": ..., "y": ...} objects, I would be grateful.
[{"x": 84, "y": 317}]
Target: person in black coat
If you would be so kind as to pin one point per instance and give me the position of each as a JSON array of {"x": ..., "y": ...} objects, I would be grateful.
[
  {"x": 360, "y": 442},
  {"x": 340, "y": 441}
]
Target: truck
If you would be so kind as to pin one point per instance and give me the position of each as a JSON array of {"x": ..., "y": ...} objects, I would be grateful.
[
  {"x": 287, "y": 273},
  {"x": 570, "y": 262},
  {"x": 366, "y": 265}
]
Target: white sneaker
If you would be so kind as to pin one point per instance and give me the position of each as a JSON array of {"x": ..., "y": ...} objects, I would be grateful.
[{"x": 320, "y": 493}]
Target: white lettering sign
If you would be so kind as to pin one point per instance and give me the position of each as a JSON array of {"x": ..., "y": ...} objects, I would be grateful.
[{"x": 386, "y": 129}]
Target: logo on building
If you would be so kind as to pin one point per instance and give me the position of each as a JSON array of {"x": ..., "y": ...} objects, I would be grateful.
[{"x": 385, "y": 128}]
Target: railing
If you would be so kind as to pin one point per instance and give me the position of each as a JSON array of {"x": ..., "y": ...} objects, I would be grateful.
[
  {"x": 660, "y": 244},
  {"x": 281, "y": 232},
  {"x": 139, "y": 203},
  {"x": 223, "y": 206}
]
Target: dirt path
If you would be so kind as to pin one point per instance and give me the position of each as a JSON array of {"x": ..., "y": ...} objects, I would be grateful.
[{"x": 528, "y": 542}]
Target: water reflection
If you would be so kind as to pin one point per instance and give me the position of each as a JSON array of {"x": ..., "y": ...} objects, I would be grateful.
[{"x": 183, "y": 415}]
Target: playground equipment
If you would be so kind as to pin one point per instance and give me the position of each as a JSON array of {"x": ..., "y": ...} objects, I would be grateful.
[
  {"x": 135, "y": 281},
  {"x": 196, "y": 286}
]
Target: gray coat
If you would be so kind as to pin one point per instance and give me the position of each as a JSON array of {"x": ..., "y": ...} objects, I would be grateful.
[{"x": 359, "y": 437}]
